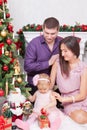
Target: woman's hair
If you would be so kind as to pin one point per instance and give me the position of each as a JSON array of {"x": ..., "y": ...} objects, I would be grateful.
[
  {"x": 72, "y": 44},
  {"x": 50, "y": 23}
]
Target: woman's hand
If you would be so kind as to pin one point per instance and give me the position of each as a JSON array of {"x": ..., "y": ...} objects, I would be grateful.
[{"x": 57, "y": 96}]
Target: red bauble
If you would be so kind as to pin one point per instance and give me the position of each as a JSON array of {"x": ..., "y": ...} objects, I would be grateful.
[
  {"x": 10, "y": 28},
  {"x": 12, "y": 60},
  {"x": 9, "y": 41},
  {"x": 5, "y": 68},
  {"x": 20, "y": 31},
  {"x": 0, "y": 23},
  {"x": 1, "y": 45},
  {"x": 1, "y": 2},
  {"x": 7, "y": 15},
  {"x": 1, "y": 92}
]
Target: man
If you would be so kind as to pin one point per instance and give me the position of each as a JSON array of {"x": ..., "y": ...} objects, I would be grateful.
[{"x": 42, "y": 51}]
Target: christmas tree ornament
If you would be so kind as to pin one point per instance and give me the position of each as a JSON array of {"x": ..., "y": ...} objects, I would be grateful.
[
  {"x": 9, "y": 41},
  {"x": 10, "y": 27},
  {"x": 17, "y": 68},
  {"x": 19, "y": 79},
  {"x": 5, "y": 68},
  {"x": 10, "y": 54},
  {"x": 3, "y": 33},
  {"x": 12, "y": 60},
  {"x": 1, "y": 92},
  {"x": 6, "y": 53},
  {"x": 1, "y": 2},
  {"x": 0, "y": 22},
  {"x": 7, "y": 15}
]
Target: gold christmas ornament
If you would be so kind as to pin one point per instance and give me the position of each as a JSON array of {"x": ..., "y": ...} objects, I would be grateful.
[
  {"x": 3, "y": 33},
  {"x": 6, "y": 53},
  {"x": 19, "y": 79},
  {"x": 26, "y": 27}
]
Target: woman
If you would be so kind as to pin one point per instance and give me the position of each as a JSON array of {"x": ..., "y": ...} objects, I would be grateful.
[{"x": 71, "y": 76}]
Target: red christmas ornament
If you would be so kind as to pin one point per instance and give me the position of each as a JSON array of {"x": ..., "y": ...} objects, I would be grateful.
[
  {"x": 5, "y": 68},
  {"x": 7, "y": 15},
  {"x": 12, "y": 60},
  {"x": 38, "y": 28},
  {"x": 84, "y": 27},
  {"x": 1, "y": 2},
  {"x": 5, "y": 1},
  {"x": 0, "y": 23},
  {"x": 10, "y": 28},
  {"x": 1, "y": 45},
  {"x": 20, "y": 31},
  {"x": 1, "y": 92},
  {"x": 9, "y": 41}
]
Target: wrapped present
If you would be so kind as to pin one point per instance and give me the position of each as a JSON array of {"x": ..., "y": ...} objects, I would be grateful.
[
  {"x": 43, "y": 121},
  {"x": 5, "y": 123}
]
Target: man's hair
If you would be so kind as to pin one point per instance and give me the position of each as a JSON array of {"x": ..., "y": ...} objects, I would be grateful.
[{"x": 51, "y": 22}]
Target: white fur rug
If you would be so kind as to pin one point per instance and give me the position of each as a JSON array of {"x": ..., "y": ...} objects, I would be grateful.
[{"x": 67, "y": 124}]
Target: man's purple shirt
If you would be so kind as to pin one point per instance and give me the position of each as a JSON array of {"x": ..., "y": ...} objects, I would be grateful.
[{"x": 37, "y": 56}]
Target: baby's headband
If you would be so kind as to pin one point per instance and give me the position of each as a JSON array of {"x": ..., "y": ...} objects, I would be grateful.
[{"x": 37, "y": 78}]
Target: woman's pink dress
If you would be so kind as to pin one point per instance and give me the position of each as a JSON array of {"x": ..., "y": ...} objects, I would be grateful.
[{"x": 70, "y": 87}]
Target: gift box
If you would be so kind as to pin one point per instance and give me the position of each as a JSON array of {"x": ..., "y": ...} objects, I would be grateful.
[
  {"x": 5, "y": 123},
  {"x": 43, "y": 121}
]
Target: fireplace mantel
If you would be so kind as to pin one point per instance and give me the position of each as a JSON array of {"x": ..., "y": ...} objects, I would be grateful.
[{"x": 83, "y": 35}]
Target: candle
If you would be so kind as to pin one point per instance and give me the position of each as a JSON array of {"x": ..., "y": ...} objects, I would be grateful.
[
  {"x": 13, "y": 80},
  {"x": 2, "y": 50},
  {"x": 7, "y": 5},
  {"x": 4, "y": 15},
  {"x": 13, "y": 35},
  {"x": 6, "y": 87},
  {"x": 4, "y": 10},
  {"x": 18, "y": 52}
]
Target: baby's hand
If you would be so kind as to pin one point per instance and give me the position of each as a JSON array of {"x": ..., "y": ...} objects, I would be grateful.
[{"x": 57, "y": 96}]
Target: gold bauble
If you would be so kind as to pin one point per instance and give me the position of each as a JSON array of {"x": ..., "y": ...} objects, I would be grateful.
[
  {"x": 7, "y": 53},
  {"x": 27, "y": 27},
  {"x": 19, "y": 79},
  {"x": 3, "y": 33}
]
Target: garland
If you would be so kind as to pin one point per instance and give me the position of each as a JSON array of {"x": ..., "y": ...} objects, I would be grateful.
[
  {"x": 63, "y": 28},
  {"x": 37, "y": 27}
]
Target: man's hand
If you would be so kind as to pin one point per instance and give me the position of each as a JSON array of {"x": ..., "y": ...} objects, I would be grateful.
[{"x": 53, "y": 59}]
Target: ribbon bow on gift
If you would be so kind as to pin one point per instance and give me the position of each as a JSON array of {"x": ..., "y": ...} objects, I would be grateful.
[{"x": 2, "y": 123}]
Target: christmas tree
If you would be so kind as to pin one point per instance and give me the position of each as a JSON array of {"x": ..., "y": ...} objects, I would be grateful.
[{"x": 10, "y": 72}]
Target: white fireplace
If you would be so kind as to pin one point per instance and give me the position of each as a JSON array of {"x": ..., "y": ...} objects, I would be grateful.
[{"x": 83, "y": 35}]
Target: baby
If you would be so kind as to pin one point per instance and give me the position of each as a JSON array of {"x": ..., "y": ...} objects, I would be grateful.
[{"x": 45, "y": 100}]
